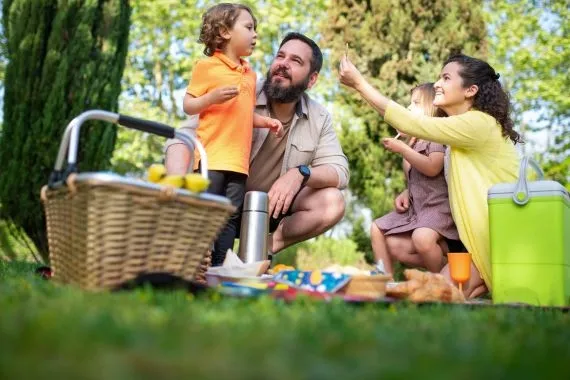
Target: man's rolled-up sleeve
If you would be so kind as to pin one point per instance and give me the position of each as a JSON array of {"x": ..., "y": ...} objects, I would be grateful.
[
  {"x": 189, "y": 126},
  {"x": 329, "y": 152}
]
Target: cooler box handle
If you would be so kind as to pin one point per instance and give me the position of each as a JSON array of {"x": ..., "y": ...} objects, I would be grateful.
[{"x": 521, "y": 194}]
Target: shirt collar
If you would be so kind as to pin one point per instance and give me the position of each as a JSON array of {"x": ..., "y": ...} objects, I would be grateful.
[{"x": 231, "y": 64}]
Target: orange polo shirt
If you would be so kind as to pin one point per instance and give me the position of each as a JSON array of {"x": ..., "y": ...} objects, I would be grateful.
[{"x": 225, "y": 129}]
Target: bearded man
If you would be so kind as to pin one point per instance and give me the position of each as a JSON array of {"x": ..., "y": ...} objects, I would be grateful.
[{"x": 302, "y": 171}]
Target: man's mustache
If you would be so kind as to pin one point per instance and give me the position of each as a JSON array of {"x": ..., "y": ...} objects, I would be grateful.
[{"x": 281, "y": 71}]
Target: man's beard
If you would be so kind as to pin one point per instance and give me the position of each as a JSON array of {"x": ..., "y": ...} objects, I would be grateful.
[{"x": 280, "y": 94}]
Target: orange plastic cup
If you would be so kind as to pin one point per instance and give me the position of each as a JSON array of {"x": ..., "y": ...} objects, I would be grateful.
[{"x": 459, "y": 267}]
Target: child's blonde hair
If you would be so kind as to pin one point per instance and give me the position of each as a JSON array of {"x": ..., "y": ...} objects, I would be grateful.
[
  {"x": 215, "y": 20},
  {"x": 427, "y": 94}
]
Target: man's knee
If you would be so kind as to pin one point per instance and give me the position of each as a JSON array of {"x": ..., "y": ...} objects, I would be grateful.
[
  {"x": 333, "y": 205},
  {"x": 424, "y": 239}
]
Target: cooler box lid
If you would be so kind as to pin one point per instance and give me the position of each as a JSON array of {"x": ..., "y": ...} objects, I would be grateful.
[{"x": 535, "y": 189}]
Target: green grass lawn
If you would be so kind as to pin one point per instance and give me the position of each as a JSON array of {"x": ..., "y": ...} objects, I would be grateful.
[{"x": 49, "y": 331}]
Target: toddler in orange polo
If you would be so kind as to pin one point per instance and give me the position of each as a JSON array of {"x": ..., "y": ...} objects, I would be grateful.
[{"x": 222, "y": 92}]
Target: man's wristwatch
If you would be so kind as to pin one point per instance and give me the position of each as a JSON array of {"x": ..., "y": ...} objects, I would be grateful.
[{"x": 305, "y": 172}]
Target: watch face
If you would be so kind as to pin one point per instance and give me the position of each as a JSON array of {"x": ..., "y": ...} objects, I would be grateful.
[{"x": 305, "y": 171}]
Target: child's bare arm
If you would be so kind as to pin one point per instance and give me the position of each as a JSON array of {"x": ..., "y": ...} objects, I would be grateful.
[
  {"x": 267, "y": 122},
  {"x": 194, "y": 105},
  {"x": 430, "y": 165},
  {"x": 259, "y": 121}
]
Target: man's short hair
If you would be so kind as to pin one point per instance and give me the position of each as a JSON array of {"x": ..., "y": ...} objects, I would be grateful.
[{"x": 317, "y": 57}]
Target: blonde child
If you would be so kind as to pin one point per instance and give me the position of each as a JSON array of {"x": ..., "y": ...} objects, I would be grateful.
[
  {"x": 421, "y": 229},
  {"x": 222, "y": 92}
]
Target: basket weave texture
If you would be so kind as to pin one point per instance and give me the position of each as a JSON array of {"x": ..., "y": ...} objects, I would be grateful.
[{"x": 101, "y": 235}]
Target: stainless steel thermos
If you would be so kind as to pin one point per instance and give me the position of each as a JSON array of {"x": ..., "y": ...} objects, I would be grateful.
[{"x": 254, "y": 227}]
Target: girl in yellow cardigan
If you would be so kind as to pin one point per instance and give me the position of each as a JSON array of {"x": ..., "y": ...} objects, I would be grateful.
[{"x": 479, "y": 132}]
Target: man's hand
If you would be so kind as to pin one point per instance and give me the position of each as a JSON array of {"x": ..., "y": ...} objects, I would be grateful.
[
  {"x": 222, "y": 94},
  {"x": 283, "y": 191},
  {"x": 402, "y": 202},
  {"x": 394, "y": 145}
]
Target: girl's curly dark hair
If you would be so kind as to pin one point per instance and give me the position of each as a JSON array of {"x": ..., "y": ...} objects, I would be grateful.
[
  {"x": 217, "y": 18},
  {"x": 491, "y": 98}
]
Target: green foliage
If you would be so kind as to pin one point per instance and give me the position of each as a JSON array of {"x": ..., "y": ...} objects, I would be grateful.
[
  {"x": 320, "y": 253},
  {"x": 64, "y": 57},
  {"x": 360, "y": 236},
  {"x": 164, "y": 47},
  {"x": 162, "y": 50},
  {"x": 14, "y": 244},
  {"x": 2, "y": 56},
  {"x": 396, "y": 44},
  {"x": 560, "y": 170},
  {"x": 358, "y": 227},
  {"x": 529, "y": 43}
]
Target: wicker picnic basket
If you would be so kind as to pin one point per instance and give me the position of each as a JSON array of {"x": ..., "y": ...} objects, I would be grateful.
[{"x": 105, "y": 229}]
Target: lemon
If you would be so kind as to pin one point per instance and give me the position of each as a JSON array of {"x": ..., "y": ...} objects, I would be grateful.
[
  {"x": 156, "y": 172},
  {"x": 196, "y": 183},
  {"x": 172, "y": 180},
  {"x": 280, "y": 268}
]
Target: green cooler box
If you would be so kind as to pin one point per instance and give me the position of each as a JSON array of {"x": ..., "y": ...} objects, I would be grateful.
[{"x": 530, "y": 241}]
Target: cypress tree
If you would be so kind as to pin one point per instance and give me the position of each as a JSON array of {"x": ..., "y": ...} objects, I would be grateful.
[
  {"x": 396, "y": 44},
  {"x": 64, "y": 57}
]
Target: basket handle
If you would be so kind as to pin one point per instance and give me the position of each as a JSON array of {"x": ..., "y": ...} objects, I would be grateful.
[
  {"x": 521, "y": 195},
  {"x": 70, "y": 140}
]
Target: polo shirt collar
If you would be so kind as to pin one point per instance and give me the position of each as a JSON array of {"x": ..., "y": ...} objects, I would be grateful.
[{"x": 231, "y": 64}]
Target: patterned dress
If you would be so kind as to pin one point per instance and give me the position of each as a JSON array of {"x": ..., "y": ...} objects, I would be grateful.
[{"x": 429, "y": 202}]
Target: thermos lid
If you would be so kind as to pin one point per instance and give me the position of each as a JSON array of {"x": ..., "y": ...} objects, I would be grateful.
[{"x": 256, "y": 201}]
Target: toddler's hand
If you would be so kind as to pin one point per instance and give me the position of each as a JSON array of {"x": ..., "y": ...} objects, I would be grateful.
[
  {"x": 394, "y": 145},
  {"x": 223, "y": 94},
  {"x": 402, "y": 202},
  {"x": 275, "y": 126}
]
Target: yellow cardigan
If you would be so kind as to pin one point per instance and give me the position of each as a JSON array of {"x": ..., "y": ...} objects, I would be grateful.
[{"x": 479, "y": 158}]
